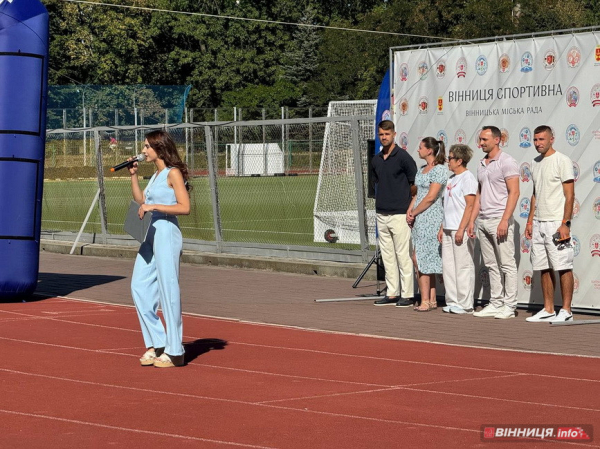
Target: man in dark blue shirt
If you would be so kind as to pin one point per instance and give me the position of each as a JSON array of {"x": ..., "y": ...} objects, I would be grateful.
[{"x": 394, "y": 172}]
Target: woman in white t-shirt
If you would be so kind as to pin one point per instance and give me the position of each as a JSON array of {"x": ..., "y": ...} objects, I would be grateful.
[{"x": 457, "y": 247}]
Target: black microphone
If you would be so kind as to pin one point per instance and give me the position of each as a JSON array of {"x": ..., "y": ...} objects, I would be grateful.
[{"x": 138, "y": 158}]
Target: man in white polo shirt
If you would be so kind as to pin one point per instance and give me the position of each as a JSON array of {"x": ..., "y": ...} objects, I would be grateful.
[
  {"x": 495, "y": 202},
  {"x": 549, "y": 223}
]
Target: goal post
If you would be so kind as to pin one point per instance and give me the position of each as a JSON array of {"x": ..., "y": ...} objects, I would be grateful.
[{"x": 335, "y": 212}]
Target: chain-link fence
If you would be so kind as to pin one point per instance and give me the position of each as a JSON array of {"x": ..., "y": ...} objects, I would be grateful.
[{"x": 254, "y": 184}]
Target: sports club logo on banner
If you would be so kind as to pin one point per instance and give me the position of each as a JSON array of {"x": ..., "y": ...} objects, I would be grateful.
[
  {"x": 525, "y": 171},
  {"x": 595, "y": 245},
  {"x": 423, "y": 70},
  {"x": 526, "y": 62},
  {"x": 525, "y": 138},
  {"x": 576, "y": 245},
  {"x": 524, "y": 207},
  {"x": 440, "y": 69},
  {"x": 461, "y": 68},
  {"x": 440, "y": 105},
  {"x": 597, "y": 171},
  {"x": 441, "y": 135},
  {"x": 423, "y": 105},
  {"x": 573, "y": 135},
  {"x": 595, "y": 95},
  {"x": 504, "y": 63},
  {"x": 504, "y": 137},
  {"x": 597, "y": 208},
  {"x": 403, "y": 72},
  {"x": 525, "y": 244},
  {"x": 597, "y": 54},
  {"x": 484, "y": 277},
  {"x": 527, "y": 280},
  {"x": 576, "y": 208},
  {"x": 403, "y": 106},
  {"x": 550, "y": 60},
  {"x": 481, "y": 65},
  {"x": 404, "y": 141},
  {"x": 460, "y": 137},
  {"x": 572, "y": 96},
  {"x": 573, "y": 57},
  {"x": 576, "y": 171}
]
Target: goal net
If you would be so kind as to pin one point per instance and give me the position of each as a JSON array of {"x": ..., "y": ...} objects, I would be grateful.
[{"x": 335, "y": 212}]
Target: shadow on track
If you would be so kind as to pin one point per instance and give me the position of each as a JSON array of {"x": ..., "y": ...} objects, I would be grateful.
[{"x": 196, "y": 348}]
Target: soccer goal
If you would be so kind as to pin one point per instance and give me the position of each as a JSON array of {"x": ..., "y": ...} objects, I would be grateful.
[{"x": 335, "y": 212}]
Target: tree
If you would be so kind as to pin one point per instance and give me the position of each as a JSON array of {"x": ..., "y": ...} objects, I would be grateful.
[{"x": 302, "y": 60}]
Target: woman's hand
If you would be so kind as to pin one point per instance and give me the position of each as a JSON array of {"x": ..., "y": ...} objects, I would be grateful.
[
  {"x": 145, "y": 208},
  {"x": 410, "y": 218},
  {"x": 133, "y": 168}
]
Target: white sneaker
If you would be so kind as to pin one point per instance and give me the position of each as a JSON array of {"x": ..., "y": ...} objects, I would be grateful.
[
  {"x": 459, "y": 310},
  {"x": 446, "y": 309},
  {"x": 488, "y": 310},
  {"x": 563, "y": 315},
  {"x": 542, "y": 316},
  {"x": 505, "y": 313}
]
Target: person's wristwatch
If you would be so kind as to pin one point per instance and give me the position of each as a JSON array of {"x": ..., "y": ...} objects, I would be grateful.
[{"x": 567, "y": 223}]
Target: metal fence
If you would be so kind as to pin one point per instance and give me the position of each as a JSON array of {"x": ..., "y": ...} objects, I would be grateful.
[
  {"x": 90, "y": 116},
  {"x": 254, "y": 184}
]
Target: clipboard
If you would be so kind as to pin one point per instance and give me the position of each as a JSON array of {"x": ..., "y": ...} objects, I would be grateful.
[{"x": 134, "y": 226}]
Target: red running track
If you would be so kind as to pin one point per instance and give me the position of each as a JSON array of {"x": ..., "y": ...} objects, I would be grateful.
[{"x": 70, "y": 377}]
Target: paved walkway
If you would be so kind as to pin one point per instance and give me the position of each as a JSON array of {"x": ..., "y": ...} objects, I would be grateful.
[{"x": 289, "y": 299}]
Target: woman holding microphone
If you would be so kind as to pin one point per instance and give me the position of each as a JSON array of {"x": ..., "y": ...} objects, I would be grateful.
[{"x": 155, "y": 278}]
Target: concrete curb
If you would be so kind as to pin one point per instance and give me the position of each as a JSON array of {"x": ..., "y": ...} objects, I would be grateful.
[{"x": 296, "y": 266}]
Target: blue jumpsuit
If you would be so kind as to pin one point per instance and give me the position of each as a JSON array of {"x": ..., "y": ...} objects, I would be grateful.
[{"x": 155, "y": 276}]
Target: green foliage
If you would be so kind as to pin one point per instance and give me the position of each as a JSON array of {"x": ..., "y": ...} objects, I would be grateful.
[
  {"x": 282, "y": 93},
  {"x": 261, "y": 64}
]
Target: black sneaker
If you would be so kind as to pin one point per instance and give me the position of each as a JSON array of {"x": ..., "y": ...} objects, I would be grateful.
[
  {"x": 386, "y": 301},
  {"x": 403, "y": 302}
]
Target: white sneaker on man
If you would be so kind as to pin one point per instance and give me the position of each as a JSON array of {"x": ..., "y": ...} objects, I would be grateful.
[
  {"x": 541, "y": 316},
  {"x": 459, "y": 310},
  {"x": 489, "y": 310},
  {"x": 446, "y": 309},
  {"x": 563, "y": 315},
  {"x": 505, "y": 313}
]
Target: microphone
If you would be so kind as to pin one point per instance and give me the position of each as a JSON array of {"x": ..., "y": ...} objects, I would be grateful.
[{"x": 138, "y": 158}]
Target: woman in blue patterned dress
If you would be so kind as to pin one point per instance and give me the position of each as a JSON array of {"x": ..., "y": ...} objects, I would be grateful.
[{"x": 425, "y": 216}]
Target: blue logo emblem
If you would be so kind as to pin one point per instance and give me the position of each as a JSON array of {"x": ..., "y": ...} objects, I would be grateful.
[
  {"x": 524, "y": 208},
  {"x": 597, "y": 171},
  {"x": 481, "y": 65},
  {"x": 572, "y": 135},
  {"x": 525, "y": 138},
  {"x": 576, "y": 245},
  {"x": 441, "y": 135},
  {"x": 526, "y": 62}
]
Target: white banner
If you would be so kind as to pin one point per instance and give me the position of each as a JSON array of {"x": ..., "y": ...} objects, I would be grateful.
[{"x": 516, "y": 85}]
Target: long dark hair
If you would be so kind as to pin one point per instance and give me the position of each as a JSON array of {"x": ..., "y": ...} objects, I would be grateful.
[
  {"x": 438, "y": 147},
  {"x": 164, "y": 145}
]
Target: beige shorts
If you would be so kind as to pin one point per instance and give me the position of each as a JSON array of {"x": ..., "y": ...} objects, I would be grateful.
[{"x": 547, "y": 254}]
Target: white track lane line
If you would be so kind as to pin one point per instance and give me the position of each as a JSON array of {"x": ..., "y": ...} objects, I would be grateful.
[
  {"x": 308, "y": 329},
  {"x": 299, "y": 410},
  {"x": 127, "y": 429},
  {"x": 320, "y": 352}
]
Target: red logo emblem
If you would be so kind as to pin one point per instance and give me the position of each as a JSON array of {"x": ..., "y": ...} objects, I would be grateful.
[{"x": 488, "y": 432}]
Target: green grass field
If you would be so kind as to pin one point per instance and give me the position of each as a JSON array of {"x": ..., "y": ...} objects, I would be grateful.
[{"x": 274, "y": 210}]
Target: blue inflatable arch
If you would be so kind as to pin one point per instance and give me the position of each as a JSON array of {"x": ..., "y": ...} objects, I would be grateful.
[{"x": 23, "y": 87}]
